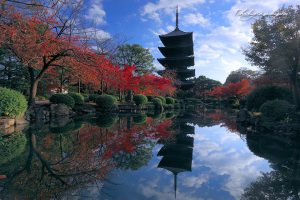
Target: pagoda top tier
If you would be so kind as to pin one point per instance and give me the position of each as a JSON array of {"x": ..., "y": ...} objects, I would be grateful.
[{"x": 177, "y": 32}]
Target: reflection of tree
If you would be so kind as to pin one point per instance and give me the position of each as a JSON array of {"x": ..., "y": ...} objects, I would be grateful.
[
  {"x": 135, "y": 160},
  {"x": 272, "y": 185},
  {"x": 11, "y": 146},
  {"x": 212, "y": 117},
  {"x": 44, "y": 174},
  {"x": 55, "y": 163},
  {"x": 284, "y": 155}
]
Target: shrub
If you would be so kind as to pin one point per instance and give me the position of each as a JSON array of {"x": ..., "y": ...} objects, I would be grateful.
[
  {"x": 149, "y": 97},
  {"x": 170, "y": 100},
  {"x": 11, "y": 146},
  {"x": 12, "y": 103},
  {"x": 260, "y": 95},
  {"x": 168, "y": 106},
  {"x": 93, "y": 97},
  {"x": 63, "y": 98},
  {"x": 69, "y": 127},
  {"x": 140, "y": 99},
  {"x": 106, "y": 121},
  {"x": 40, "y": 98},
  {"x": 170, "y": 115},
  {"x": 157, "y": 102},
  {"x": 78, "y": 98},
  {"x": 140, "y": 119},
  {"x": 106, "y": 101},
  {"x": 276, "y": 110},
  {"x": 163, "y": 99}
]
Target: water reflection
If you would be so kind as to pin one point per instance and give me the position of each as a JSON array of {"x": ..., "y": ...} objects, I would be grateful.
[
  {"x": 194, "y": 155},
  {"x": 177, "y": 152},
  {"x": 66, "y": 156},
  {"x": 284, "y": 156}
]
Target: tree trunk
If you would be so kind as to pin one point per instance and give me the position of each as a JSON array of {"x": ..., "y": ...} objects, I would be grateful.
[
  {"x": 33, "y": 91},
  {"x": 129, "y": 96},
  {"x": 32, "y": 81},
  {"x": 61, "y": 80},
  {"x": 102, "y": 86},
  {"x": 296, "y": 90},
  {"x": 79, "y": 85}
]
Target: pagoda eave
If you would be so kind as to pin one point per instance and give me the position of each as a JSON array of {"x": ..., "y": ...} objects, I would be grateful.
[
  {"x": 188, "y": 73},
  {"x": 172, "y": 63},
  {"x": 180, "y": 40},
  {"x": 177, "y": 51}
]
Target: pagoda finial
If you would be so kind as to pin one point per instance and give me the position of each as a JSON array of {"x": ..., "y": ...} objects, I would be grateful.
[
  {"x": 175, "y": 184},
  {"x": 177, "y": 18}
]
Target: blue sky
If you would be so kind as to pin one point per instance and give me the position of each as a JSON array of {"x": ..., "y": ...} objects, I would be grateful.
[{"x": 219, "y": 33}]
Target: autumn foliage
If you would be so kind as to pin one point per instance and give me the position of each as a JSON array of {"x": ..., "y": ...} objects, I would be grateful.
[
  {"x": 239, "y": 89},
  {"x": 41, "y": 45}
]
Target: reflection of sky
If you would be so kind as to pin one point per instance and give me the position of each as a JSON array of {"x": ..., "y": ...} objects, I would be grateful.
[{"x": 222, "y": 167}]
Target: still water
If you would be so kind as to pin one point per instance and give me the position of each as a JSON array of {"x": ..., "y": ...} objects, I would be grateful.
[{"x": 187, "y": 156}]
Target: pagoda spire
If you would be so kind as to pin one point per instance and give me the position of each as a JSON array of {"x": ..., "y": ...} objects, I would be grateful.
[
  {"x": 175, "y": 184},
  {"x": 177, "y": 28}
]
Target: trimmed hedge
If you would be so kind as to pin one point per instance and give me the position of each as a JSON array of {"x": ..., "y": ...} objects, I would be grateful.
[
  {"x": 11, "y": 146},
  {"x": 106, "y": 121},
  {"x": 170, "y": 100},
  {"x": 263, "y": 94},
  {"x": 140, "y": 99},
  {"x": 106, "y": 101},
  {"x": 78, "y": 98},
  {"x": 276, "y": 110},
  {"x": 168, "y": 106},
  {"x": 63, "y": 98},
  {"x": 163, "y": 99},
  {"x": 157, "y": 102},
  {"x": 93, "y": 97},
  {"x": 69, "y": 127},
  {"x": 140, "y": 119},
  {"x": 12, "y": 103},
  {"x": 149, "y": 97}
]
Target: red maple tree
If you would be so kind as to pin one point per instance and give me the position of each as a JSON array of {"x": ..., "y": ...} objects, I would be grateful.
[{"x": 239, "y": 89}]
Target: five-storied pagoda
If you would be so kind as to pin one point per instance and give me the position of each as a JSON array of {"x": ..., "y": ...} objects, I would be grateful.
[{"x": 178, "y": 51}]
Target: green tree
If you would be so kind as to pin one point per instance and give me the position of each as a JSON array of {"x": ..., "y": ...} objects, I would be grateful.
[
  {"x": 135, "y": 55},
  {"x": 275, "y": 46},
  {"x": 240, "y": 74},
  {"x": 12, "y": 73},
  {"x": 204, "y": 84}
]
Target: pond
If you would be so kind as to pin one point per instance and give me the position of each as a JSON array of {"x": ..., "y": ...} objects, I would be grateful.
[{"x": 187, "y": 155}]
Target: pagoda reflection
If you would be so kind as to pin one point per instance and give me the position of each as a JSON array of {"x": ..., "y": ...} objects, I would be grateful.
[{"x": 177, "y": 152}]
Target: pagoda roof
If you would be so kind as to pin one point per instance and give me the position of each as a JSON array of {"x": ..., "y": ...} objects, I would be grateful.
[
  {"x": 187, "y": 85},
  {"x": 180, "y": 62},
  {"x": 175, "y": 149},
  {"x": 177, "y": 51},
  {"x": 177, "y": 40},
  {"x": 176, "y": 164},
  {"x": 177, "y": 32},
  {"x": 186, "y": 73}
]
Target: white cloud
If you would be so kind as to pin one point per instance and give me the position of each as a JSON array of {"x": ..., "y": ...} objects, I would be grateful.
[
  {"x": 195, "y": 19},
  {"x": 218, "y": 42},
  {"x": 97, "y": 34},
  {"x": 155, "y": 10},
  {"x": 196, "y": 181},
  {"x": 223, "y": 154},
  {"x": 96, "y": 13},
  {"x": 220, "y": 50}
]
